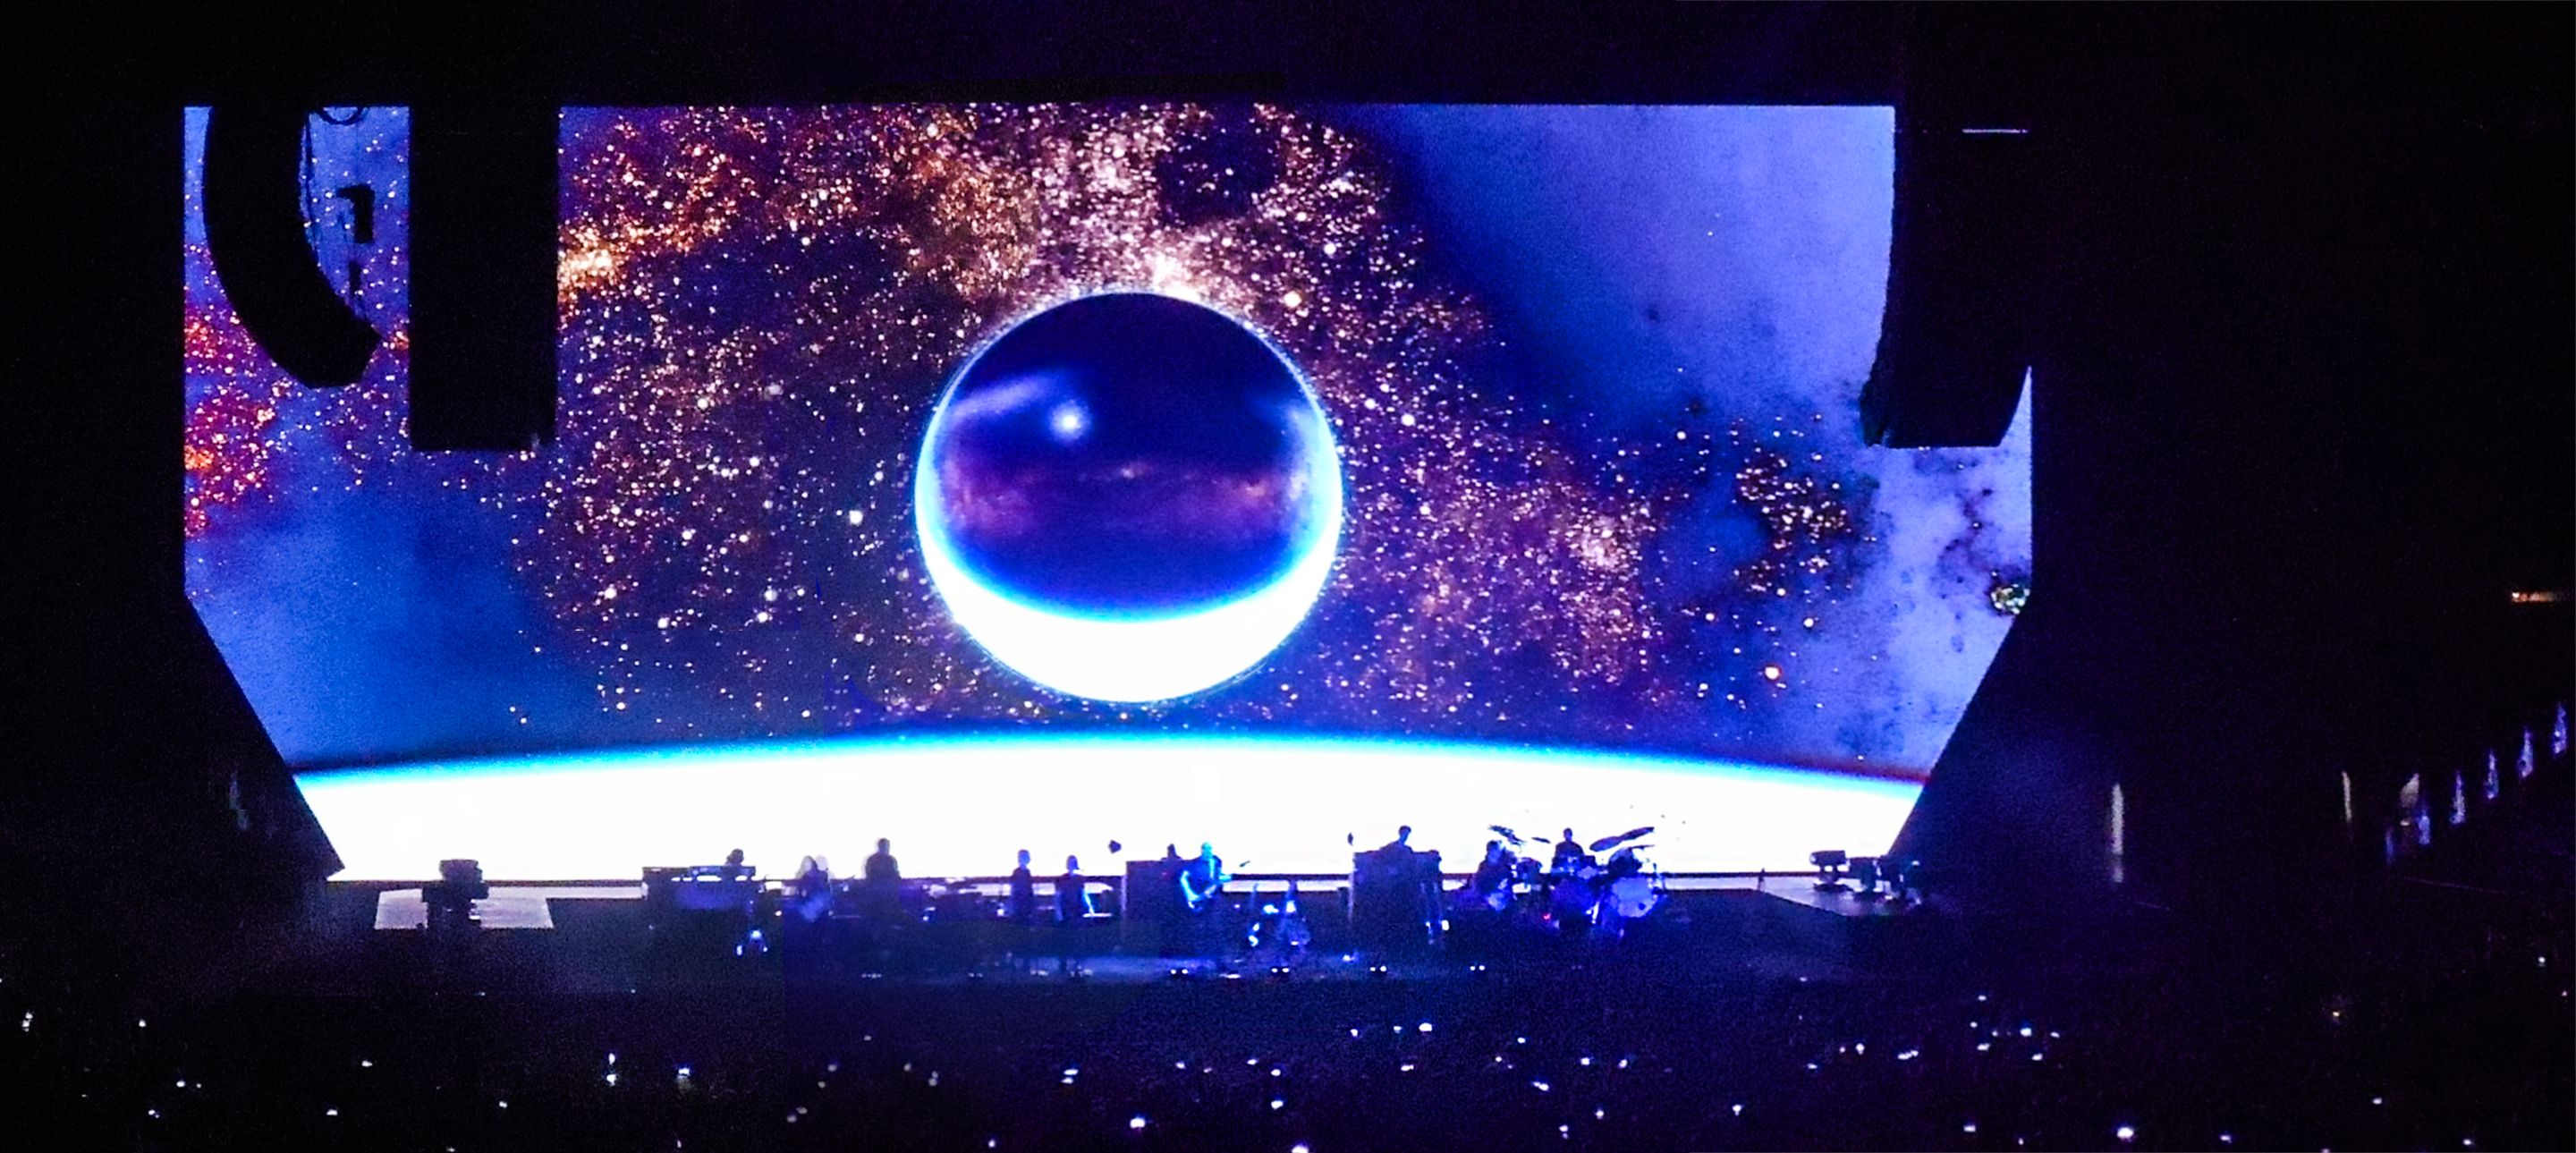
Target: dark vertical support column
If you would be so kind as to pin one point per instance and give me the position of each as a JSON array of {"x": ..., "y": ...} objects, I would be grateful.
[{"x": 483, "y": 275}]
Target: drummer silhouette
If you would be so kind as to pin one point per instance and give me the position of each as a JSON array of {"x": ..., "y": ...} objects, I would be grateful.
[{"x": 1570, "y": 854}]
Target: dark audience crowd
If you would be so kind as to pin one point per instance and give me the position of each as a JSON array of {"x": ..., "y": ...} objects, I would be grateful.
[{"x": 2463, "y": 1046}]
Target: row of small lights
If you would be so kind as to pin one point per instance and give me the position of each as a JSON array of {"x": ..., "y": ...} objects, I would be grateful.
[{"x": 2124, "y": 1133}]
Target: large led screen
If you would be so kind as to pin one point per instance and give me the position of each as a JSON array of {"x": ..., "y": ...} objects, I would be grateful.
[{"x": 989, "y": 477}]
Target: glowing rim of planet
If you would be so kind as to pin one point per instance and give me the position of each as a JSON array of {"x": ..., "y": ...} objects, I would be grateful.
[{"x": 1130, "y": 658}]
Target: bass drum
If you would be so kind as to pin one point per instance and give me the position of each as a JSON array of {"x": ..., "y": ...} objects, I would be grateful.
[{"x": 1631, "y": 897}]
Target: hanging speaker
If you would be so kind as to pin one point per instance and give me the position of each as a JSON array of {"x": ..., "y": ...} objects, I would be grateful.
[
  {"x": 1968, "y": 251},
  {"x": 483, "y": 274},
  {"x": 1962, "y": 271},
  {"x": 254, "y": 208}
]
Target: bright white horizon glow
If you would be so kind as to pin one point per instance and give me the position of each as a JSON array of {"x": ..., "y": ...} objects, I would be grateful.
[{"x": 960, "y": 806}]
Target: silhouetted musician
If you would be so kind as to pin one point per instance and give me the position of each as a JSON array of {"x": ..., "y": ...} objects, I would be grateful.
[
  {"x": 1072, "y": 898},
  {"x": 1570, "y": 855},
  {"x": 881, "y": 868},
  {"x": 1024, "y": 893},
  {"x": 1491, "y": 886},
  {"x": 881, "y": 885},
  {"x": 812, "y": 890},
  {"x": 1072, "y": 905},
  {"x": 1202, "y": 880}
]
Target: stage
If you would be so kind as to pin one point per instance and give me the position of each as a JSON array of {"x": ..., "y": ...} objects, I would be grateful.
[
  {"x": 962, "y": 806},
  {"x": 609, "y": 938},
  {"x": 531, "y": 906}
]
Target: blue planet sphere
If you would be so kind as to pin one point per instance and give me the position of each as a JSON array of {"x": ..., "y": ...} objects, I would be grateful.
[{"x": 1129, "y": 497}]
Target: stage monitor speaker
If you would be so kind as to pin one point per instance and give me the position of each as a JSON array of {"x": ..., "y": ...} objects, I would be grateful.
[
  {"x": 1955, "y": 342},
  {"x": 254, "y": 212},
  {"x": 483, "y": 209}
]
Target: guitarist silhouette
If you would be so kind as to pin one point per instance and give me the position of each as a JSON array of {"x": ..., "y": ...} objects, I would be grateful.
[{"x": 1202, "y": 880}]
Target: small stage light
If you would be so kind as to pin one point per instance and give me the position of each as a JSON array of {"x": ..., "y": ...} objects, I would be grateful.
[{"x": 1829, "y": 867}]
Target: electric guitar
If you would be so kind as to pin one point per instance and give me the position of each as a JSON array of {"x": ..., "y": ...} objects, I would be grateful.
[{"x": 1197, "y": 900}]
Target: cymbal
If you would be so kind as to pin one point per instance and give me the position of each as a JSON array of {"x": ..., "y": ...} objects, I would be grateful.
[{"x": 1609, "y": 842}]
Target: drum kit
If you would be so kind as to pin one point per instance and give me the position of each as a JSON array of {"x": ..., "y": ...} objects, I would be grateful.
[{"x": 1582, "y": 892}]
